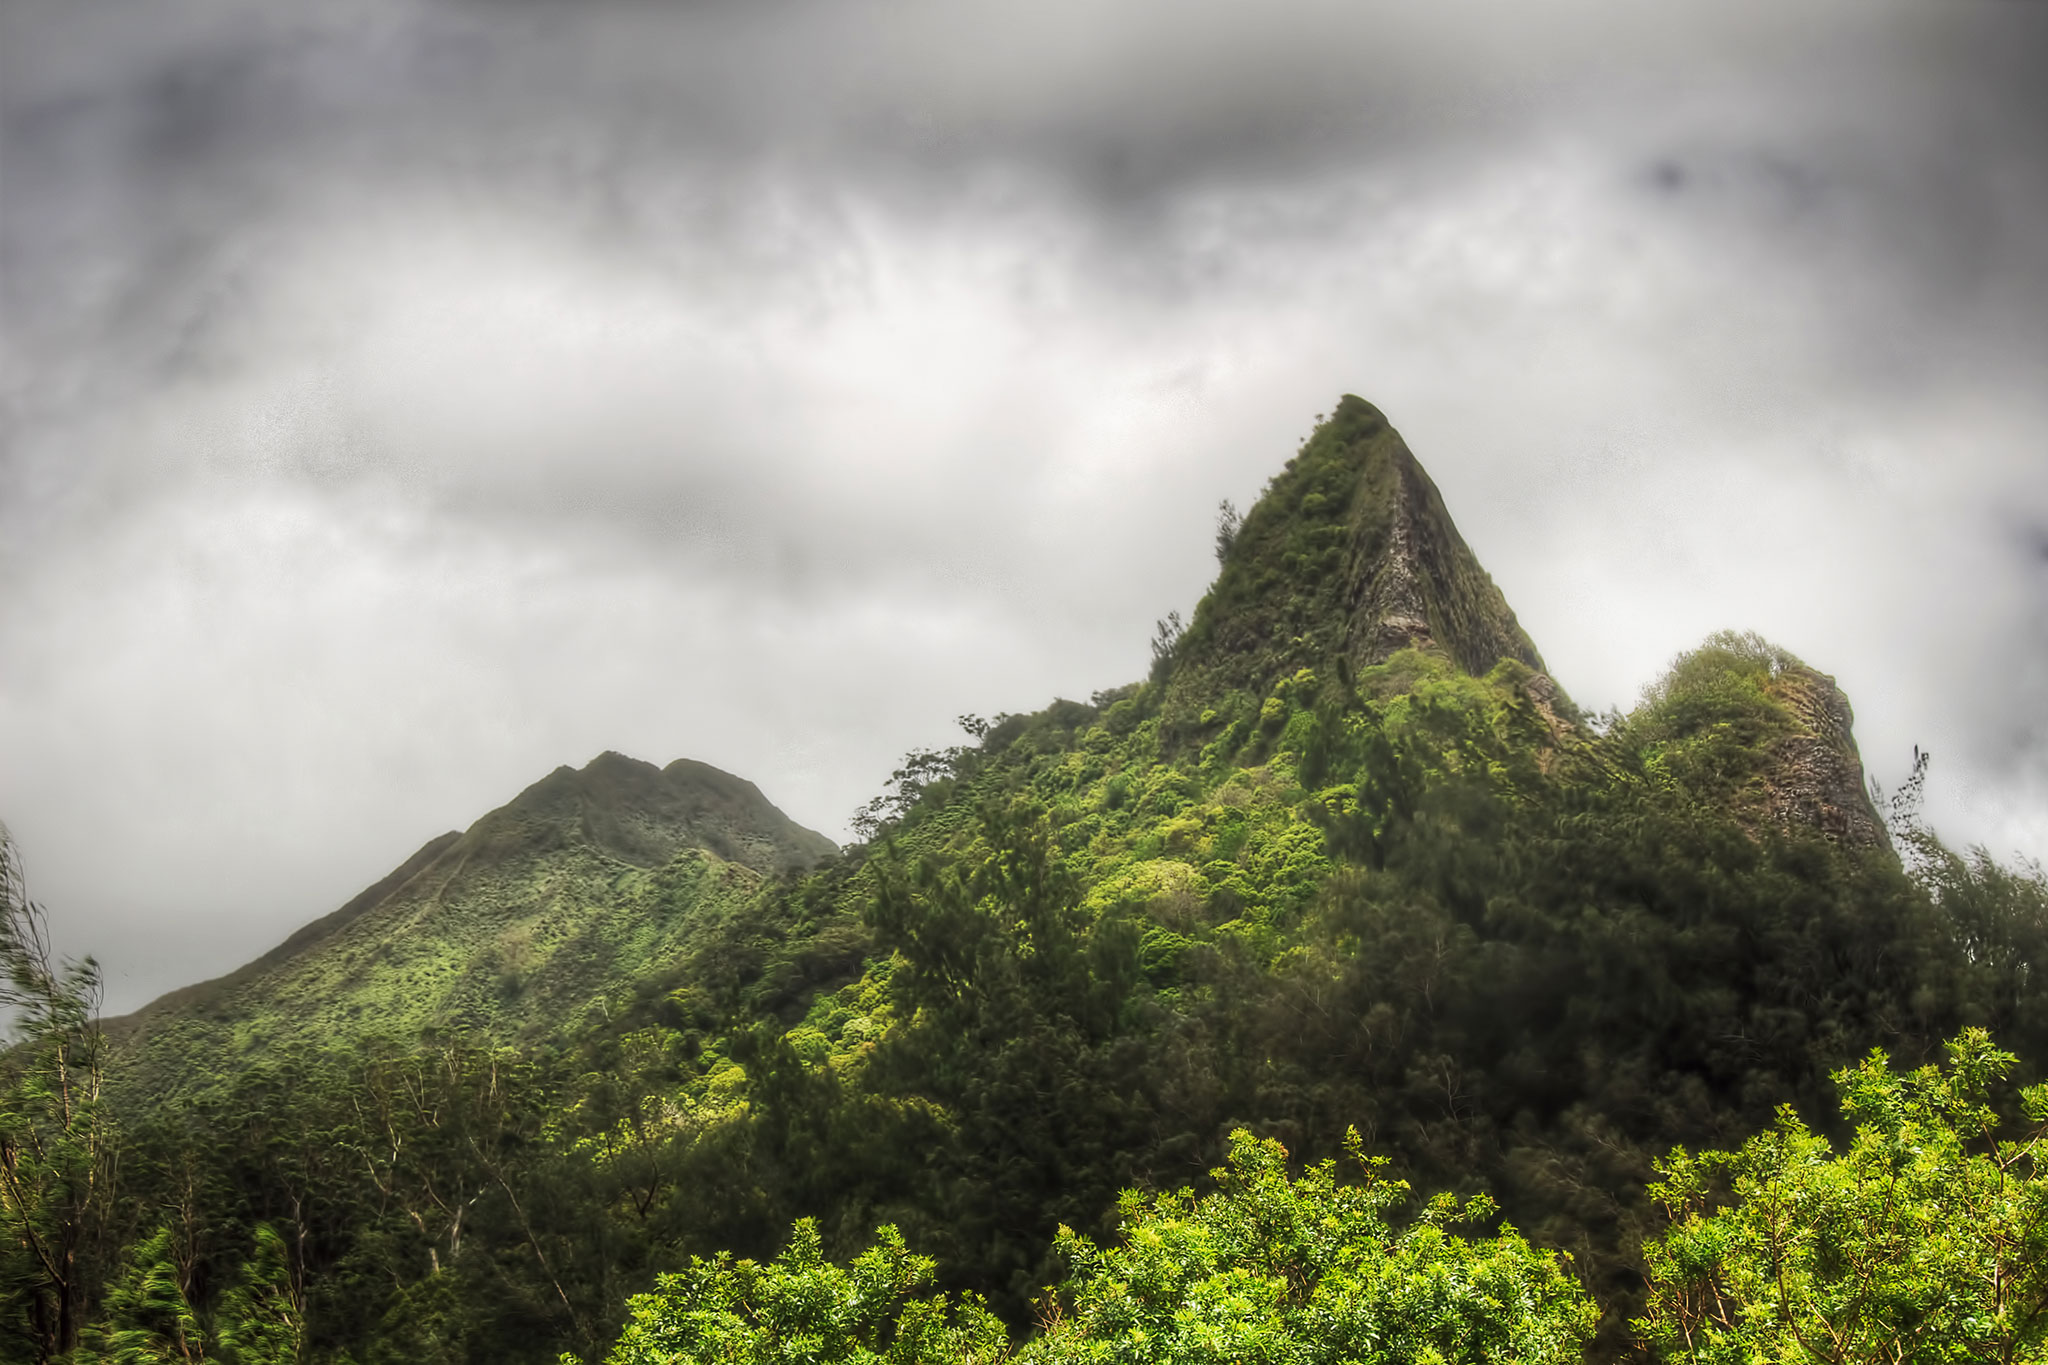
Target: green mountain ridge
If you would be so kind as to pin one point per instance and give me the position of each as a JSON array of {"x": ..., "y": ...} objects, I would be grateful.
[
  {"x": 1349, "y": 859},
  {"x": 510, "y": 927},
  {"x": 1348, "y": 559}
]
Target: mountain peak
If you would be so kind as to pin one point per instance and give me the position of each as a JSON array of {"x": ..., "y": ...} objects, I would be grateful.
[
  {"x": 1348, "y": 557},
  {"x": 642, "y": 815},
  {"x": 1778, "y": 735},
  {"x": 510, "y": 926}
]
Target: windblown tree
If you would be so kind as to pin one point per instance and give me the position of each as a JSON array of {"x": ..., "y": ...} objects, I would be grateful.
[{"x": 54, "y": 1143}]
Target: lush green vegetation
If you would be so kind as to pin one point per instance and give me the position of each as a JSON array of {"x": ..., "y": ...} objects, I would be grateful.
[
  {"x": 1266, "y": 1269},
  {"x": 56, "y": 1157},
  {"x": 1925, "y": 1241},
  {"x": 1286, "y": 887},
  {"x": 510, "y": 930}
]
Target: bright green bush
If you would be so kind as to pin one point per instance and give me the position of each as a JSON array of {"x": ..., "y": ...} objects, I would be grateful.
[
  {"x": 800, "y": 1309},
  {"x": 1924, "y": 1243},
  {"x": 1269, "y": 1271},
  {"x": 1266, "y": 1271}
]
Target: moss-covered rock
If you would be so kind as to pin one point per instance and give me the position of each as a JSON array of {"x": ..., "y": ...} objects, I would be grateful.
[{"x": 1348, "y": 558}]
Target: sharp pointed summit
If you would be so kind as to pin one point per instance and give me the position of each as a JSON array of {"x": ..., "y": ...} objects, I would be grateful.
[{"x": 1347, "y": 558}]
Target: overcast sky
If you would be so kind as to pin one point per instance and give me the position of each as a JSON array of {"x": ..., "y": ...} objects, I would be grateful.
[{"x": 400, "y": 399}]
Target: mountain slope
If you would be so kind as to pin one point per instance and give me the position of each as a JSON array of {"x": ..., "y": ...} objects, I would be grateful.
[
  {"x": 1347, "y": 861},
  {"x": 509, "y": 928}
]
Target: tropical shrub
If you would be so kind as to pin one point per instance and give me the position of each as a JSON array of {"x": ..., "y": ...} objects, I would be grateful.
[
  {"x": 1925, "y": 1242},
  {"x": 1274, "y": 1271},
  {"x": 1265, "y": 1270},
  {"x": 800, "y": 1309}
]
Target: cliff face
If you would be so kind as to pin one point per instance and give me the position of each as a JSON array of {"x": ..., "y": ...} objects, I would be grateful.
[
  {"x": 1742, "y": 724},
  {"x": 1815, "y": 773},
  {"x": 1349, "y": 557},
  {"x": 1411, "y": 580}
]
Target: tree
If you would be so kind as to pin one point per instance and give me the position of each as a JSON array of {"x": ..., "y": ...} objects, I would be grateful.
[
  {"x": 55, "y": 1163},
  {"x": 1166, "y": 639},
  {"x": 261, "y": 1319},
  {"x": 1307, "y": 1271},
  {"x": 800, "y": 1309},
  {"x": 922, "y": 770},
  {"x": 1925, "y": 1241},
  {"x": 148, "y": 1317},
  {"x": 1267, "y": 1270},
  {"x": 1228, "y": 523}
]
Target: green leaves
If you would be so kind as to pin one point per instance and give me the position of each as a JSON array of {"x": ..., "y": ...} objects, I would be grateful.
[
  {"x": 1270, "y": 1269},
  {"x": 1266, "y": 1271},
  {"x": 1925, "y": 1242},
  {"x": 55, "y": 1141},
  {"x": 801, "y": 1310},
  {"x": 148, "y": 1316},
  {"x": 261, "y": 1321}
]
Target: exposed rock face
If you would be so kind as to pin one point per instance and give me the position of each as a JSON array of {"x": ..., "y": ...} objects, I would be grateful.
[
  {"x": 1349, "y": 557},
  {"x": 1816, "y": 773},
  {"x": 1413, "y": 580}
]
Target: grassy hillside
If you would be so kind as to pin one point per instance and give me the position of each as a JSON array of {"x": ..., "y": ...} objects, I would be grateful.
[{"x": 509, "y": 929}]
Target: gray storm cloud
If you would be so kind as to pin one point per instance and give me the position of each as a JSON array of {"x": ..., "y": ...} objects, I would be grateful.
[{"x": 402, "y": 398}]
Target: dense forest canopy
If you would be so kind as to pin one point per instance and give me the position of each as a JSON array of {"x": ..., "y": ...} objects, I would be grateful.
[{"x": 1344, "y": 921}]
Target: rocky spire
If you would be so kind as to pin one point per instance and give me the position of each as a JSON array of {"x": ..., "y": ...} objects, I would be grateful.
[
  {"x": 1348, "y": 557},
  {"x": 1815, "y": 777},
  {"x": 1412, "y": 580}
]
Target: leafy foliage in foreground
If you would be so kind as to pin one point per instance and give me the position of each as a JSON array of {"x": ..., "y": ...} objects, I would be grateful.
[
  {"x": 148, "y": 1315},
  {"x": 1272, "y": 1271},
  {"x": 798, "y": 1309},
  {"x": 1265, "y": 1271},
  {"x": 1924, "y": 1243}
]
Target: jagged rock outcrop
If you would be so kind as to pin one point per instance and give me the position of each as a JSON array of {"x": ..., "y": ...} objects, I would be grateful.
[
  {"x": 1411, "y": 579},
  {"x": 1746, "y": 725},
  {"x": 1815, "y": 773},
  {"x": 1348, "y": 557}
]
